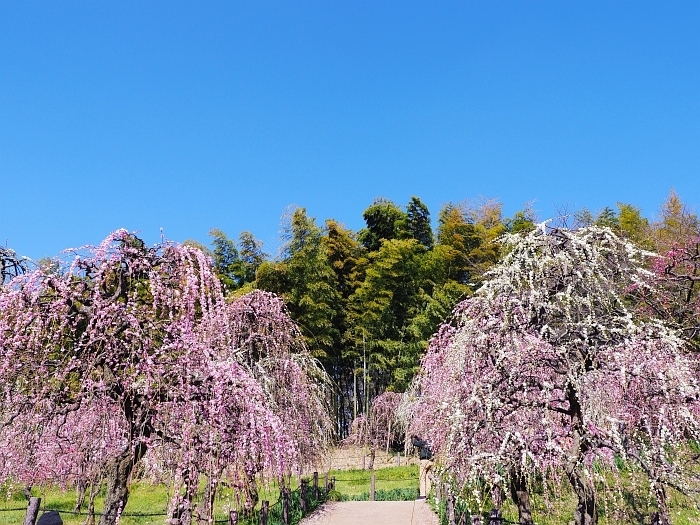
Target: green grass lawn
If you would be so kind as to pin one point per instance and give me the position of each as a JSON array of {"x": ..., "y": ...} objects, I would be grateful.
[
  {"x": 146, "y": 498},
  {"x": 357, "y": 482}
]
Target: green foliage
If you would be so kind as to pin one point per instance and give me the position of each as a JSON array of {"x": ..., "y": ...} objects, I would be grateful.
[
  {"x": 607, "y": 218},
  {"x": 235, "y": 265},
  {"x": 416, "y": 225},
  {"x": 384, "y": 221},
  {"x": 632, "y": 225},
  {"x": 522, "y": 222},
  {"x": 308, "y": 283}
]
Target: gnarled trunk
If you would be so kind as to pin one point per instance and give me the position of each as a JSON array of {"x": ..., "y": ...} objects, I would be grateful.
[
  {"x": 118, "y": 473},
  {"x": 205, "y": 509},
  {"x": 661, "y": 517},
  {"x": 520, "y": 495},
  {"x": 497, "y": 495},
  {"x": 586, "y": 512}
]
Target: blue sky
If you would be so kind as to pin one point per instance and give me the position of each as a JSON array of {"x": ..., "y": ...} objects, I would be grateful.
[{"x": 193, "y": 115}]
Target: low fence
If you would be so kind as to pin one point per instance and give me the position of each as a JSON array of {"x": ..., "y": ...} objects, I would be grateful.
[{"x": 289, "y": 509}]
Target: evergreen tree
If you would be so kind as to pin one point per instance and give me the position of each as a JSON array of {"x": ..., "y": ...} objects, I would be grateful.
[
  {"x": 235, "y": 266},
  {"x": 383, "y": 219},
  {"x": 383, "y": 306},
  {"x": 417, "y": 222},
  {"x": 523, "y": 221},
  {"x": 608, "y": 218},
  {"x": 227, "y": 262},
  {"x": 632, "y": 225},
  {"x": 251, "y": 255}
]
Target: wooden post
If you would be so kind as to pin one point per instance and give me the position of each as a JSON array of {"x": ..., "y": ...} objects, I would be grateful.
[
  {"x": 264, "y": 511},
  {"x": 372, "y": 485},
  {"x": 316, "y": 485},
  {"x": 450, "y": 508},
  {"x": 325, "y": 483},
  {"x": 398, "y": 459},
  {"x": 363, "y": 459},
  {"x": 303, "y": 493},
  {"x": 233, "y": 517},
  {"x": 285, "y": 505},
  {"x": 333, "y": 483},
  {"x": 32, "y": 511},
  {"x": 495, "y": 517}
]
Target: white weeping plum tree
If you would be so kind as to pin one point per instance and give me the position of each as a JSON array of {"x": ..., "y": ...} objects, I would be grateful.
[
  {"x": 129, "y": 353},
  {"x": 547, "y": 370}
]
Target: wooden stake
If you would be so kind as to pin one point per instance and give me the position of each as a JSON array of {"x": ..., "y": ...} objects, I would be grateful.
[
  {"x": 303, "y": 493},
  {"x": 285, "y": 505}
]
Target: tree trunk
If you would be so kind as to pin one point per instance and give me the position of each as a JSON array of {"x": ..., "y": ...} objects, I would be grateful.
[
  {"x": 118, "y": 474},
  {"x": 251, "y": 492},
  {"x": 80, "y": 488},
  {"x": 205, "y": 510},
  {"x": 94, "y": 490},
  {"x": 32, "y": 511},
  {"x": 372, "y": 454},
  {"x": 663, "y": 517},
  {"x": 497, "y": 496},
  {"x": 190, "y": 477},
  {"x": 520, "y": 495},
  {"x": 585, "y": 513}
]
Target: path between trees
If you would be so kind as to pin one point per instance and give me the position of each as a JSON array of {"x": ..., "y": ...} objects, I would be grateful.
[{"x": 373, "y": 513}]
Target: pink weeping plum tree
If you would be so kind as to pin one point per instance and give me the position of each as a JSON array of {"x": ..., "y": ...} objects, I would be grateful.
[
  {"x": 128, "y": 352},
  {"x": 380, "y": 428},
  {"x": 547, "y": 370}
]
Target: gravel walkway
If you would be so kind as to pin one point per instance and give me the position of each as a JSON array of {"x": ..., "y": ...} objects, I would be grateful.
[{"x": 373, "y": 513}]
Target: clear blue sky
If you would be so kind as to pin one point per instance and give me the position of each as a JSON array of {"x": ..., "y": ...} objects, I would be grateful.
[{"x": 192, "y": 115}]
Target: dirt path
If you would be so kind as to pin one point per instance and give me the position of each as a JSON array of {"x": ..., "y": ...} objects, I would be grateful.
[{"x": 373, "y": 513}]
